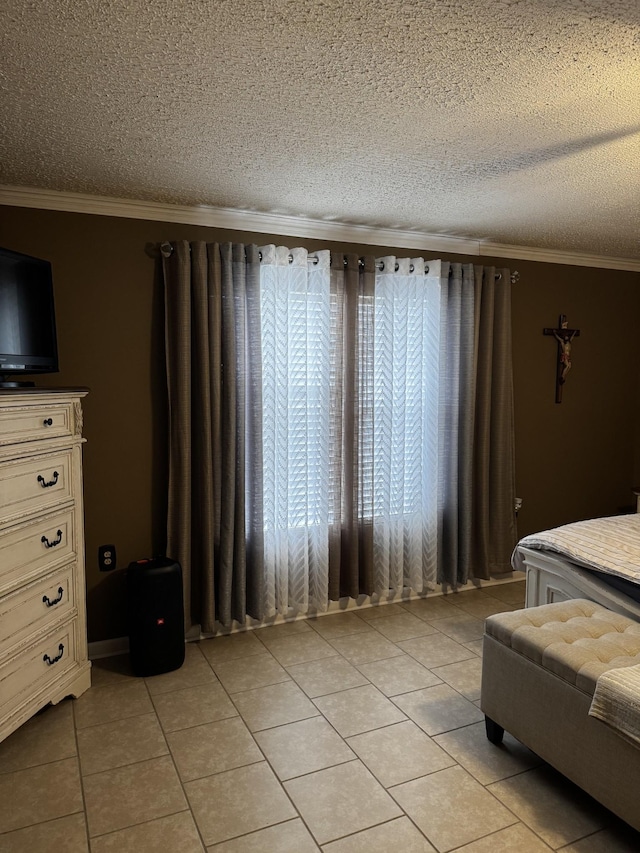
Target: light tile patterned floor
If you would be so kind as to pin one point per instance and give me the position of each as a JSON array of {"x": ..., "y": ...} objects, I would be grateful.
[{"x": 358, "y": 731}]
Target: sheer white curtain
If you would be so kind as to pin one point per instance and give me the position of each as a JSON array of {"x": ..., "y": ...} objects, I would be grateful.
[
  {"x": 350, "y": 398},
  {"x": 405, "y": 425},
  {"x": 295, "y": 318}
]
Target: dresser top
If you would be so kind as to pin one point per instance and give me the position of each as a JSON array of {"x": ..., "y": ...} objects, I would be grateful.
[{"x": 39, "y": 392}]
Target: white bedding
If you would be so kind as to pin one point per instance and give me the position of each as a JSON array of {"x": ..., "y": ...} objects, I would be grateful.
[
  {"x": 616, "y": 701},
  {"x": 610, "y": 545}
]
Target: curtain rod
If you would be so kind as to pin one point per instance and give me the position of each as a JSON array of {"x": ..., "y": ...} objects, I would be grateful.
[{"x": 166, "y": 250}]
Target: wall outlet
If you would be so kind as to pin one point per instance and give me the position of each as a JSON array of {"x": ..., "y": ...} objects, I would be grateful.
[{"x": 106, "y": 557}]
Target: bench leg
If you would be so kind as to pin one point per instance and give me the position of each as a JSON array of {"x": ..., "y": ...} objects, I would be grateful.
[{"x": 494, "y": 731}]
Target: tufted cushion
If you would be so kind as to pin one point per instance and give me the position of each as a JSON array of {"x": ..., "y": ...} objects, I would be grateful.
[{"x": 577, "y": 640}]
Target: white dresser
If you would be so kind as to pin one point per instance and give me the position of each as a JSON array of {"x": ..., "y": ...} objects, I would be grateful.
[{"x": 43, "y": 636}]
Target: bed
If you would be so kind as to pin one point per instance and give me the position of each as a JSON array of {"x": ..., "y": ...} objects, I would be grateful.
[{"x": 598, "y": 559}]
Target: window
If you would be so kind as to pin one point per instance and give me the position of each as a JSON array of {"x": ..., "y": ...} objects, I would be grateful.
[{"x": 318, "y": 379}]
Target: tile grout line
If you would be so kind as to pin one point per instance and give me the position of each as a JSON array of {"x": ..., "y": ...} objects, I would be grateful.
[
  {"x": 80, "y": 775},
  {"x": 177, "y": 772},
  {"x": 275, "y": 775},
  {"x": 356, "y": 758},
  {"x": 321, "y": 716},
  {"x": 517, "y": 820}
]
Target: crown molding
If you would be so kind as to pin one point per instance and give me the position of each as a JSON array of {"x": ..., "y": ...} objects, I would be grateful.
[
  {"x": 553, "y": 256},
  {"x": 234, "y": 219},
  {"x": 294, "y": 226}
]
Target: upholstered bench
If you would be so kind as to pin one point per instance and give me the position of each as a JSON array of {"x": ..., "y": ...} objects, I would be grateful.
[{"x": 541, "y": 666}]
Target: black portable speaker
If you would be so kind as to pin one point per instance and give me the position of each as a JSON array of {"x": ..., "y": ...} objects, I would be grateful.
[{"x": 155, "y": 615}]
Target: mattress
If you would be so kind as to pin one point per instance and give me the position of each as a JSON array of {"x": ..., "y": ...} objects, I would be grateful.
[{"x": 607, "y": 546}]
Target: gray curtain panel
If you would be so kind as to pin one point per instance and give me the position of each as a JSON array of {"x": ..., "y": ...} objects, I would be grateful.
[
  {"x": 351, "y": 531},
  {"x": 494, "y": 534},
  {"x": 214, "y": 524},
  {"x": 477, "y": 446},
  {"x": 458, "y": 337}
]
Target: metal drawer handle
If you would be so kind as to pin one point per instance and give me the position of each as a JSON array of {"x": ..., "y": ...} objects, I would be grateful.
[
  {"x": 51, "y": 601},
  {"x": 50, "y": 661},
  {"x": 47, "y": 422},
  {"x": 44, "y": 483},
  {"x": 53, "y": 542}
]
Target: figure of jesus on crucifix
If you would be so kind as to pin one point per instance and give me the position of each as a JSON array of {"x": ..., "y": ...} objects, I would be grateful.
[
  {"x": 564, "y": 336},
  {"x": 564, "y": 339}
]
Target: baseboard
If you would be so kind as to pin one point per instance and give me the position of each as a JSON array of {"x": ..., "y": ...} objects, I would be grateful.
[
  {"x": 120, "y": 645},
  {"x": 108, "y": 648}
]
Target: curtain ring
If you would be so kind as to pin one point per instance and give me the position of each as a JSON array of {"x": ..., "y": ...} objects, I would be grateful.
[
  {"x": 345, "y": 262},
  {"x": 411, "y": 268},
  {"x": 397, "y": 267},
  {"x": 426, "y": 270}
]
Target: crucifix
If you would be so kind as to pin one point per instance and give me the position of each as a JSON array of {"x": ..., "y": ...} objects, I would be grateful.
[{"x": 565, "y": 337}]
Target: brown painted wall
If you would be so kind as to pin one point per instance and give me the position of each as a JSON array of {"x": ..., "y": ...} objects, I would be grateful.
[
  {"x": 574, "y": 460},
  {"x": 577, "y": 459}
]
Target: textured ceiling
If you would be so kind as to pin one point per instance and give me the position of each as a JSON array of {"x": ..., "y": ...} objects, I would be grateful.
[{"x": 514, "y": 121}]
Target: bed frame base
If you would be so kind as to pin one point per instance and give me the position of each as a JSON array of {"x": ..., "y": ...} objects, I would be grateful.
[{"x": 552, "y": 578}]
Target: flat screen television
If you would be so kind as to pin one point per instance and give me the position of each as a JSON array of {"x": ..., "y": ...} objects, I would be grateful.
[{"x": 28, "y": 342}]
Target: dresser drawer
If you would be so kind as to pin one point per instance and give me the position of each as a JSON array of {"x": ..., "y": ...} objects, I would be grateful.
[
  {"x": 30, "y": 550},
  {"x": 37, "y": 667},
  {"x": 34, "y": 485},
  {"x": 36, "y": 607},
  {"x": 32, "y": 423}
]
